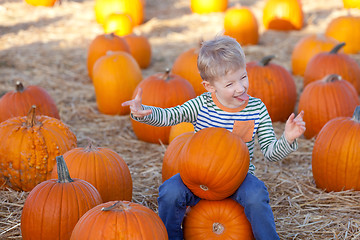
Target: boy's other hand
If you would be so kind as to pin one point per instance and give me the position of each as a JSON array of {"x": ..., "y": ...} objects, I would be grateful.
[
  {"x": 294, "y": 127},
  {"x": 135, "y": 106}
]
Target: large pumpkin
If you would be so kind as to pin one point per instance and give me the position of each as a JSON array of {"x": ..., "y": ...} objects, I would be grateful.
[
  {"x": 336, "y": 154},
  {"x": 208, "y": 6},
  {"x": 283, "y": 15},
  {"x": 214, "y": 163},
  {"x": 215, "y": 220},
  {"x": 331, "y": 62},
  {"x": 91, "y": 162},
  {"x": 326, "y": 99},
  {"x": 273, "y": 84},
  {"x": 306, "y": 48},
  {"x": 29, "y": 147},
  {"x": 17, "y": 103},
  {"x": 161, "y": 90},
  {"x": 241, "y": 24},
  {"x": 53, "y": 207},
  {"x": 120, "y": 220},
  {"x": 100, "y": 45},
  {"x": 346, "y": 29},
  {"x": 115, "y": 76}
]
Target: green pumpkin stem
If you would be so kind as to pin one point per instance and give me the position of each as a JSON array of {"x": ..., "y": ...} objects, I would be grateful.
[
  {"x": 356, "y": 115},
  {"x": 121, "y": 205},
  {"x": 19, "y": 87},
  {"x": 31, "y": 117},
  {"x": 337, "y": 48},
  {"x": 63, "y": 171},
  {"x": 265, "y": 61}
]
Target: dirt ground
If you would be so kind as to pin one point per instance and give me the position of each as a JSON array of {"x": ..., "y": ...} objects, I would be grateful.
[{"x": 48, "y": 47}]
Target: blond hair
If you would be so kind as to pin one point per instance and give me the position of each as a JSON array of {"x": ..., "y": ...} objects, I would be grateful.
[{"x": 219, "y": 56}]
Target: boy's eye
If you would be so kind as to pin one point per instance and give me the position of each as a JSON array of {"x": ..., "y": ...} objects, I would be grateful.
[{"x": 228, "y": 85}]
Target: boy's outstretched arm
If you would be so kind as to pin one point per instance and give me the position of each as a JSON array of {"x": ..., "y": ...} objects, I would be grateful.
[
  {"x": 294, "y": 127},
  {"x": 135, "y": 106}
]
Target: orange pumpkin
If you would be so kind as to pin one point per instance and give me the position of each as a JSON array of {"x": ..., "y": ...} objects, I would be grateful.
[
  {"x": 140, "y": 49},
  {"x": 326, "y": 99},
  {"x": 212, "y": 220},
  {"x": 119, "y": 23},
  {"x": 44, "y": 3},
  {"x": 101, "y": 45},
  {"x": 336, "y": 154},
  {"x": 17, "y": 103},
  {"x": 115, "y": 77},
  {"x": 171, "y": 160},
  {"x": 91, "y": 162},
  {"x": 185, "y": 66},
  {"x": 134, "y": 8},
  {"x": 120, "y": 220},
  {"x": 208, "y": 6},
  {"x": 331, "y": 62},
  {"x": 180, "y": 128},
  {"x": 283, "y": 15},
  {"x": 346, "y": 29},
  {"x": 161, "y": 90},
  {"x": 53, "y": 207},
  {"x": 273, "y": 84},
  {"x": 306, "y": 48},
  {"x": 214, "y": 163},
  {"x": 351, "y": 3},
  {"x": 29, "y": 147},
  {"x": 241, "y": 24}
]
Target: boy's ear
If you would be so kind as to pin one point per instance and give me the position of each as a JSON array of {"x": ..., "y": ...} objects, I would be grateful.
[{"x": 208, "y": 86}]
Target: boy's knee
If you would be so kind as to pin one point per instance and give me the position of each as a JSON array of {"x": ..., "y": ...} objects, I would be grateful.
[{"x": 171, "y": 189}]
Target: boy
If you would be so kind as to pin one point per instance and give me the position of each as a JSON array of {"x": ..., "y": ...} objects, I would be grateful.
[{"x": 221, "y": 63}]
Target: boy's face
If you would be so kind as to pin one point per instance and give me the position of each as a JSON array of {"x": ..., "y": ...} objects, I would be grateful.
[{"x": 230, "y": 90}]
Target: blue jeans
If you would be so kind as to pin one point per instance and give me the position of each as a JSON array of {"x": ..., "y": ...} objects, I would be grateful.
[{"x": 252, "y": 194}]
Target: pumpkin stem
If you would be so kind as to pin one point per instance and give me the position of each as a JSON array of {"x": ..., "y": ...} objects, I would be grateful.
[
  {"x": 19, "y": 86},
  {"x": 31, "y": 117},
  {"x": 63, "y": 171},
  {"x": 332, "y": 78},
  {"x": 90, "y": 146},
  {"x": 356, "y": 115},
  {"x": 337, "y": 48},
  {"x": 265, "y": 61},
  {"x": 166, "y": 76},
  {"x": 218, "y": 228},
  {"x": 121, "y": 205}
]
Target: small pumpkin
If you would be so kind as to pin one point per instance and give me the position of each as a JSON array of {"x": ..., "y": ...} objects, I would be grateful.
[
  {"x": 29, "y": 147},
  {"x": 326, "y": 99},
  {"x": 161, "y": 90},
  {"x": 331, "y": 62},
  {"x": 100, "y": 45},
  {"x": 208, "y": 6},
  {"x": 120, "y": 220},
  {"x": 140, "y": 49},
  {"x": 115, "y": 76},
  {"x": 17, "y": 103},
  {"x": 179, "y": 129},
  {"x": 273, "y": 84},
  {"x": 214, "y": 162},
  {"x": 53, "y": 207},
  {"x": 91, "y": 162},
  {"x": 119, "y": 23},
  {"x": 212, "y": 220}
]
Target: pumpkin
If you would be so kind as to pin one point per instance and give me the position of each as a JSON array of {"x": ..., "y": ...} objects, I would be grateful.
[
  {"x": 179, "y": 129},
  {"x": 283, "y": 15},
  {"x": 53, "y": 207},
  {"x": 326, "y": 63},
  {"x": 306, "y": 48},
  {"x": 241, "y": 24},
  {"x": 185, "y": 66},
  {"x": 44, "y": 3},
  {"x": 212, "y": 220},
  {"x": 214, "y": 163},
  {"x": 336, "y": 154},
  {"x": 120, "y": 220},
  {"x": 91, "y": 162},
  {"x": 134, "y": 8},
  {"x": 324, "y": 100},
  {"x": 140, "y": 49},
  {"x": 119, "y": 23},
  {"x": 171, "y": 160},
  {"x": 161, "y": 90},
  {"x": 346, "y": 29},
  {"x": 101, "y": 45},
  {"x": 17, "y": 103},
  {"x": 115, "y": 77},
  {"x": 208, "y": 6},
  {"x": 273, "y": 84},
  {"x": 29, "y": 147},
  {"x": 351, "y": 4}
]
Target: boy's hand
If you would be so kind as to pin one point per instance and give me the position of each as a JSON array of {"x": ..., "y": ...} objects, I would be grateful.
[
  {"x": 294, "y": 127},
  {"x": 135, "y": 106}
]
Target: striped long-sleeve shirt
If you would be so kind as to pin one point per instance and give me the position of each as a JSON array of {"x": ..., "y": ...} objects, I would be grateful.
[{"x": 247, "y": 121}]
